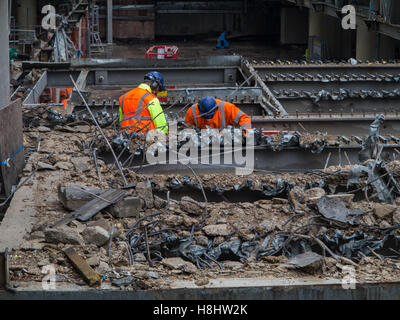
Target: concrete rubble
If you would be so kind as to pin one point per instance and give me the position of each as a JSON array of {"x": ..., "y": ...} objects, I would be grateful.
[{"x": 191, "y": 238}]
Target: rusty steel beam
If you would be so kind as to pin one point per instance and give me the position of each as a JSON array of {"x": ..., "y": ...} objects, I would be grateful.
[
  {"x": 4, "y": 271},
  {"x": 332, "y": 124}
]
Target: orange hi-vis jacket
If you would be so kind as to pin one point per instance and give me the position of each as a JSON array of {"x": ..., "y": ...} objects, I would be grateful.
[
  {"x": 226, "y": 115},
  {"x": 66, "y": 94},
  {"x": 134, "y": 110}
]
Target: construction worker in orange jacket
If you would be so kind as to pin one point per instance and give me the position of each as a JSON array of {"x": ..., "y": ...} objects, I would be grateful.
[
  {"x": 140, "y": 109},
  {"x": 65, "y": 95},
  {"x": 216, "y": 113}
]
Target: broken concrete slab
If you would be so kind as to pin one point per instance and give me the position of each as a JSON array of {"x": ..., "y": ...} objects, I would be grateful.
[
  {"x": 279, "y": 201},
  {"x": 232, "y": 265},
  {"x": 18, "y": 219},
  {"x": 82, "y": 129},
  {"x": 190, "y": 268},
  {"x": 266, "y": 226},
  {"x": 201, "y": 240},
  {"x": 304, "y": 259},
  {"x": 217, "y": 230},
  {"x": 139, "y": 257},
  {"x": 44, "y": 166},
  {"x": 153, "y": 275},
  {"x": 90, "y": 276},
  {"x": 103, "y": 223},
  {"x": 145, "y": 191},
  {"x": 63, "y": 234},
  {"x": 384, "y": 224},
  {"x": 191, "y": 206},
  {"x": 159, "y": 203},
  {"x": 93, "y": 261},
  {"x": 32, "y": 245},
  {"x": 188, "y": 222},
  {"x": 296, "y": 194},
  {"x": 173, "y": 220},
  {"x": 125, "y": 281},
  {"x": 175, "y": 263},
  {"x": 103, "y": 267},
  {"x": 64, "y": 165},
  {"x": 313, "y": 195},
  {"x": 73, "y": 197},
  {"x": 396, "y": 217},
  {"x": 127, "y": 207},
  {"x": 297, "y": 198},
  {"x": 43, "y": 262},
  {"x": 347, "y": 198},
  {"x": 36, "y": 235},
  {"x": 382, "y": 210},
  {"x": 96, "y": 235},
  {"x": 79, "y": 226},
  {"x": 368, "y": 219},
  {"x": 81, "y": 164},
  {"x": 43, "y": 129}
]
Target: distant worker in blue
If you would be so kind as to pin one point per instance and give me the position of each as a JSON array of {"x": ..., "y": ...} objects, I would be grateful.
[{"x": 222, "y": 43}]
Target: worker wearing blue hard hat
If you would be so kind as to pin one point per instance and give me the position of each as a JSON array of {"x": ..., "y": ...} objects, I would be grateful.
[
  {"x": 216, "y": 113},
  {"x": 140, "y": 110}
]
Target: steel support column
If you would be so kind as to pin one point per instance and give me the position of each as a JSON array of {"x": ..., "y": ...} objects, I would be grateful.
[
  {"x": 4, "y": 61},
  {"x": 109, "y": 22}
]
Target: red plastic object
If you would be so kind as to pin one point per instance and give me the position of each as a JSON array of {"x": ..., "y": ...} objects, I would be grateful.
[
  {"x": 269, "y": 132},
  {"x": 167, "y": 52}
]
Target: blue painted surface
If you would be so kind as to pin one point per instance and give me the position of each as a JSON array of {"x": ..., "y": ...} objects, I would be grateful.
[{"x": 222, "y": 42}]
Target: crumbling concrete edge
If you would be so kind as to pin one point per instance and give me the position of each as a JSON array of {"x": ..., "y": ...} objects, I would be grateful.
[
  {"x": 19, "y": 218},
  {"x": 366, "y": 291}
]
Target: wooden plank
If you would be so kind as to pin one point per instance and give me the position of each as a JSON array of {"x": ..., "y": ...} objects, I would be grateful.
[
  {"x": 91, "y": 208},
  {"x": 90, "y": 276},
  {"x": 11, "y": 139}
]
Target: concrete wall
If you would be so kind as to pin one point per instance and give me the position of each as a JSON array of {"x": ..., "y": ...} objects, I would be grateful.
[
  {"x": 124, "y": 30},
  {"x": 367, "y": 42},
  {"x": 371, "y": 45},
  {"x": 339, "y": 43},
  {"x": 251, "y": 23},
  {"x": 389, "y": 48},
  {"x": 4, "y": 60},
  {"x": 294, "y": 26},
  {"x": 125, "y": 26},
  {"x": 26, "y": 12}
]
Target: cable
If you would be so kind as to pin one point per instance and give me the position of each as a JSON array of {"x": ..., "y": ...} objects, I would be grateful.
[{"x": 101, "y": 131}]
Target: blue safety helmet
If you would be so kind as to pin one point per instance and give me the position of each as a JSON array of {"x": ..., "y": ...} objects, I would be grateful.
[
  {"x": 207, "y": 107},
  {"x": 157, "y": 80}
]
